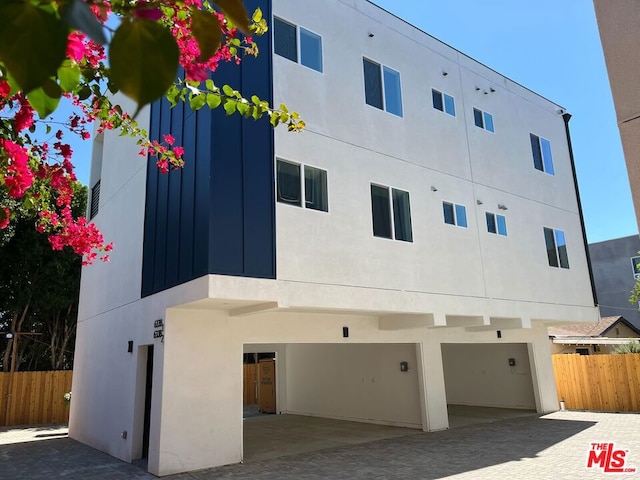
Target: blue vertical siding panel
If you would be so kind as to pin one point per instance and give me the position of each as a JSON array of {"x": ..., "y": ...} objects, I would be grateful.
[
  {"x": 187, "y": 194},
  {"x": 217, "y": 215}
]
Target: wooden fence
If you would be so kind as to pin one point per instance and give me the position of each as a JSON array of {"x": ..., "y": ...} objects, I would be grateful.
[
  {"x": 609, "y": 383},
  {"x": 32, "y": 398}
]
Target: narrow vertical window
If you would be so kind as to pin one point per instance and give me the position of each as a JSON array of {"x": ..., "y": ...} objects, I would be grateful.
[
  {"x": 449, "y": 105},
  {"x": 502, "y": 225},
  {"x": 95, "y": 200},
  {"x": 542, "y": 157},
  {"x": 635, "y": 266},
  {"x": 496, "y": 224},
  {"x": 310, "y": 49},
  {"x": 461, "y": 216},
  {"x": 402, "y": 216},
  {"x": 556, "y": 248},
  {"x": 561, "y": 244},
  {"x": 483, "y": 120},
  {"x": 449, "y": 216},
  {"x": 315, "y": 188},
  {"x": 372, "y": 84},
  {"x": 443, "y": 102},
  {"x": 392, "y": 91},
  {"x": 381, "y": 211},
  {"x": 285, "y": 39},
  {"x": 488, "y": 121},
  {"x": 437, "y": 100},
  {"x": 477, "y": 118},
  {"x": 491, "y": 223},
  {"x": 288, "y": 176}
]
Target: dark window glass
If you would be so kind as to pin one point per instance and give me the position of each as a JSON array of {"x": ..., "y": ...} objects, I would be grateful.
[
  {"x": 562, "y": 249},
  {"x": 448, "y": 213},
  {"x": 437, "y": 100},
  {"x": 289, "y": 183},
  {"x": 95, "y": 200},
  {"x": 402, "y": 215},
  {"x": 635, "y": 265},
  {"x": 491, "y": 223},
  {"x": 284, "y": 39},
  {"x": 477, "y": 118},
  {"x": 461, "y": 216},
  {"x": 310, "y": 50},
  {"x": 551, "y": 247},
  {"x": 372, "y": 84},
  {"x": 380, "y": 210},
  {"x": 537, "y": 153},
  {"x": 546, "y": 156},
  {"x": 392, "y": 92},
  {"x": 315, "y": 189},
  {"x": 449, "y": 105},
  {"x": 502, "y": 225}
]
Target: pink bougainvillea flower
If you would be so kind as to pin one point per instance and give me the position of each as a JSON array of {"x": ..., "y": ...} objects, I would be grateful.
[
  {"x": 148, "y": 13},
  {"x": 4, "y": 218},
  {"x": 75, "y": 46}
]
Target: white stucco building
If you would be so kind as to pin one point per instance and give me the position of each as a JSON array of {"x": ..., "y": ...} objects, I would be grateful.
[{"x": 429, "y": 214}]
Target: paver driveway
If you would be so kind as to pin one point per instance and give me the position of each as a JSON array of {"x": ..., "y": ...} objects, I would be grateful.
[{"x": 551, "y": 447}]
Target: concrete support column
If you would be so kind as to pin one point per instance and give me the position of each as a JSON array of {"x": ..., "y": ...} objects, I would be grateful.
[
  {"x": 201, "y": 412},
  {"x": 433, "y": 399},
  {"x": 544, "y": 388}
]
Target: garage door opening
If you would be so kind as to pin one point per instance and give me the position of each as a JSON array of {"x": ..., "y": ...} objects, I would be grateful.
[
  {"x": 332, "y": 395},
  {"x": 487, "y": 382}
]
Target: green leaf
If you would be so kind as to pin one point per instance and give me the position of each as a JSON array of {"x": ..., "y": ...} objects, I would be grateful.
[
  {"x": 213, "y": 100},
  {"x": 144, "y": 60},
  {"x": 257, "y": 15},
  {"x": 78, "y": 15},
  {"x": 230, "y": 106},
  {"x": 209, "y": 84},
  {"x": 228, "y": 91},
  {"x": 196, "y": 102},
  {"x": 243, "y": 108},
  {"x": 235, "y": 11},
  {"x": 206, "y": 30},
  {"x": 33, "y": 43},
  {"x": 45, "y": 100},
  {"x": 69, "y": 75}
]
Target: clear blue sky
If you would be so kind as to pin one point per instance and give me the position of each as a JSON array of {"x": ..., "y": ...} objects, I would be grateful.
[{"x": 553, "y": 48}]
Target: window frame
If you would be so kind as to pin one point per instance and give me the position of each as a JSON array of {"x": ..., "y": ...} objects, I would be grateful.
[
  {"x": 302, "y": 186},
  {"x": 456, "y": 208},
  {"x": 560, "y": 258},
  {"x": 537, "y": 146},
  {"x": 299, "y": 47},
  {"x": 503, "y": 232},
  {"x": 634, "y": 267},
  {"x": 443, "y": 101},
  {"x": 383, "y": 70},
  {"x": 392, "y": 214},
  {"x": 484, "y": 115}
]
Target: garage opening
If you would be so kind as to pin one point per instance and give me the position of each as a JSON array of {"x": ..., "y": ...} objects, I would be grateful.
[
  {"x": 330, "y": 395},
  {"x": 485, "y": 382}
]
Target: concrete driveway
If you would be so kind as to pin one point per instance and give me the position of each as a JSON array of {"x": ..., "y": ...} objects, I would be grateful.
[{"x": 554, "y": 446}]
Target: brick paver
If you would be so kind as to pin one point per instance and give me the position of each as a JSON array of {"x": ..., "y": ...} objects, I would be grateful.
[{"x": 553, "y": 447}]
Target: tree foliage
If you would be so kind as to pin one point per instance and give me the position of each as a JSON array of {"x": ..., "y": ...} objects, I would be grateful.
[
  {"x": 53, "y": 49},
  {"x": 631, "y": 347}
]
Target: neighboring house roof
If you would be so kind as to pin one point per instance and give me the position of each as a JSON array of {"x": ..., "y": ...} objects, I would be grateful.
[{"x": 591, "y": 329}]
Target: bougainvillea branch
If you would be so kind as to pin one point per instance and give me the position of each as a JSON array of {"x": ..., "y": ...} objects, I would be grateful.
[{"x": 153, "y": 40}]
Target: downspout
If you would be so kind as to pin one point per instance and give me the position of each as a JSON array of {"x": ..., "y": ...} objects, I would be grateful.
[{"x": 567, "y": 117}]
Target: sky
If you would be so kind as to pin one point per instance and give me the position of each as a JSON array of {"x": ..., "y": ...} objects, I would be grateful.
[{"x": 553, "y": 48}]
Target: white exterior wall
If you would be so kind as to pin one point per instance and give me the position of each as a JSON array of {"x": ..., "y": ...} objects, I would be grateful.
[{"x": 331, "y": 271}]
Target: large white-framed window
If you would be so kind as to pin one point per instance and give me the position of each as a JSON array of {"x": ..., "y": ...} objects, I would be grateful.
[
  {"x": 294, "y": 42},
  {"x": 556, "y": 244},
  {"x": 443, "y": 102},
  {"x": 391, "y": 213},
  {"x": 382, "y": 88},
  {"x": 454, "y": 214},
  {"x": 483, "y": 120},
  {"x": 292, "y": 185},
  {"x": 541, "y": 150}
]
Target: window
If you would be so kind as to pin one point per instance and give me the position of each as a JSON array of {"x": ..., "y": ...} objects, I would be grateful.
[
  {"x": 541, "y": 149},
  {"x": 582, "y": 351},
  {"x": 290, "y": 186},
  {"x": 496, "y": 224},
  {"x": 95, "y": 200},
  {"x": 556, "y": 248},
  {"x": 382, "y": 87},
  {"x": 381, "y": 205},
  {"x": 483, "y": 119},
  {"x": 635, "y": 265},
  {"x": 443, "y": 102},
  {"x": 455, "y": 214},
  {"x": 285, "y": 44}
]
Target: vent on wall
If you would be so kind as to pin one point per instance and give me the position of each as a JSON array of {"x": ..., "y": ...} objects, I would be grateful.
[{"x": 95, "y": 200}]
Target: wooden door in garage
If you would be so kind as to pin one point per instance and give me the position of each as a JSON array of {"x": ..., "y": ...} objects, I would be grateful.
[{"x": 267, "y": 386}]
